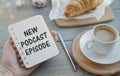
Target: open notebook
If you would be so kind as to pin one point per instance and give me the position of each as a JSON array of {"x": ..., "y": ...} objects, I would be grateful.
[{"x": 33, "y": 40}]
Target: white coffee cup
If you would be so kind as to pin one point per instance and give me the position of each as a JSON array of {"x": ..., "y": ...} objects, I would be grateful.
[{"x": 104, "y": 38}]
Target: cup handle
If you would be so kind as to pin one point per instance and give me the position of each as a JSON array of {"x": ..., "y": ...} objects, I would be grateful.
[{"x": 89, "y": 44}]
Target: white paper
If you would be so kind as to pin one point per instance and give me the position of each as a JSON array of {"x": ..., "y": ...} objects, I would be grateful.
[
  {"x": 33, "y": 40},
  {"x": 58, "y": 8}
]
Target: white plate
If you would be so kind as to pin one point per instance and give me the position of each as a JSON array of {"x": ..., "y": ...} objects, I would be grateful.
[{"x": 113, "y": 57}]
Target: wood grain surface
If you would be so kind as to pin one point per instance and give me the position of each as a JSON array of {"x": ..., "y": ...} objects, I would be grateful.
[{"x": 58, "y": 66}]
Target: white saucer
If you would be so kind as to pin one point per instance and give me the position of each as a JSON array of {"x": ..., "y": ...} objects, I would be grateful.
[{"x": 113, "y": 57}]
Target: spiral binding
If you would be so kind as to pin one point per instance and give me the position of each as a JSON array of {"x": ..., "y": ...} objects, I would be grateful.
[{"x": 19, "y": 48}]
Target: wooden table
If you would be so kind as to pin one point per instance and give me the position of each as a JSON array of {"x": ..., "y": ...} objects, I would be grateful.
[{"x": 58, "y": 66}]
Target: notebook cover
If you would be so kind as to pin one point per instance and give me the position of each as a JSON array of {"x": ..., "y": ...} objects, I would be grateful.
[{"x": 33, "y": 40}]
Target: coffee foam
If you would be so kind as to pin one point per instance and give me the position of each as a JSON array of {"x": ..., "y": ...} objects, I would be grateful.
[{"x": 104, "y": 33}]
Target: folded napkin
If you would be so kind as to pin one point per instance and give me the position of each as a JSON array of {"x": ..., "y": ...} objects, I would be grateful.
[{"x": 58, "y": 8}]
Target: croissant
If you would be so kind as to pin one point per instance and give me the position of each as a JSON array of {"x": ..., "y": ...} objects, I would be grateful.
[{"x": 78, "y": 7}]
